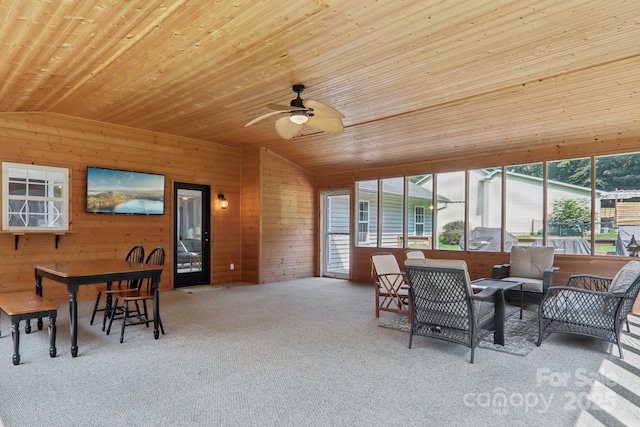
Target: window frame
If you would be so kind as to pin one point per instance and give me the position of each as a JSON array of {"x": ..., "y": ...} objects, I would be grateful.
[{"x": 26, "y": 199}]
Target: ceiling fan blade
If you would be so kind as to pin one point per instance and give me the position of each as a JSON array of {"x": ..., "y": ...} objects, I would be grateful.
[
  {"x": 323, "y": 110},
  {"x": 326, "y": 124},
  {"x": 287, "y": 129},
  {"x": 264, "y": 116},
  {"x": 279, "y": 107}
]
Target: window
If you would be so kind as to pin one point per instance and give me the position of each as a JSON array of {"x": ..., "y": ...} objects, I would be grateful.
[
  {"x": 485, "y": 211},
  {"x": 450, "y": 215},
  {"x": 367, "y": 226},
  {"x": 553, "y": 203},
  {"x": 34, "y": 197},
  {"x": 418, "y": 215},
  {"x": 419, "y": 220},
  {"x": 363, "y": 222},
  {"x": 618, "y": 192},
  {"x": 524, "y": 195},
  {"x": 569, "y": 206},
  {"x": 392, "y": 212}
]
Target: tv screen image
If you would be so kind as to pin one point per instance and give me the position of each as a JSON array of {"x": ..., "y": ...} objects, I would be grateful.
[{"x": 124, "y": 192}]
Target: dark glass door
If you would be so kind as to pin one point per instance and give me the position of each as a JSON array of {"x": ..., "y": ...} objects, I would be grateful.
[{"x": 192, "y": 235}]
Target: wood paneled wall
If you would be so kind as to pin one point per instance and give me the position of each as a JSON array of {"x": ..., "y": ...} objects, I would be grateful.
[
  {"x": 62, "y": 141},
  {"x": 251, "y": 230},
  {"x": 289, "y": 220},
  {"x": 480, "y": 264}
]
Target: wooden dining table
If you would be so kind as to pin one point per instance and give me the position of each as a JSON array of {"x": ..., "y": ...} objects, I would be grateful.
[{"x": 87, "y": 272}]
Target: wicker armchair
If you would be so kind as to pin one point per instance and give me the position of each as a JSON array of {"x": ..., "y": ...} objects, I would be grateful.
[
  {"x": 531, "y": 265},
  {"x": 443, "y": 304},
  {"x": 590, "y": 305}
]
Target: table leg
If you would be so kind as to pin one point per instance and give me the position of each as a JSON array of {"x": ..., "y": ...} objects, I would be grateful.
[
  {"x": 107, "y": 305},
  {"x": 15, "y": 337},
  {"x": 156, "y": 305},
  {"x": 521, "y": 301},
  {"x": 73, "y": 322},
  {"x": 52, "y": 336},
  {"x": 39, "y": 293},
  {"x": 498, "y": 333}
]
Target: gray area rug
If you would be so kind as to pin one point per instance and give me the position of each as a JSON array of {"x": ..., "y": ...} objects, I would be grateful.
[{"x": 520, "y": 336}]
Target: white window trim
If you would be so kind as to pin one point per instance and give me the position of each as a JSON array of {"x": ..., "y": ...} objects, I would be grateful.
[{"x": 63, "y": 200}]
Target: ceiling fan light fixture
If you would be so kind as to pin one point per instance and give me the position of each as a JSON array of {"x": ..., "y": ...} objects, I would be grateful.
[{"x": 299, "y": 117}]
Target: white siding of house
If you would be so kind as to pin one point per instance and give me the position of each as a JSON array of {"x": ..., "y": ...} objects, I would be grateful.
[{"x": 392, "y": 221}]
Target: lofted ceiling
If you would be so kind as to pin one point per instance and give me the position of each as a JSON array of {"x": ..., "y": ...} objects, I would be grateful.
[{"x": 416, "y": 80}]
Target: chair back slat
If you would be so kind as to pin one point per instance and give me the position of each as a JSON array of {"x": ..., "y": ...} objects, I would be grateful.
[
  {"x": 155, "y": 257},
  {"x": 136, "y": 254}
]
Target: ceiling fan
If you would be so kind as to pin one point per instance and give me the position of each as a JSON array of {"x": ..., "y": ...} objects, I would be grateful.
[{"x": 303, "y": 112}]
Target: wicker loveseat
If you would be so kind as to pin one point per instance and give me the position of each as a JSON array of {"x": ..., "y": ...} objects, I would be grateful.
[{"x": 591, "y": 305}]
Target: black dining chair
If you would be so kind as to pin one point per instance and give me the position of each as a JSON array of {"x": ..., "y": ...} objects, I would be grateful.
[
  {"x": 134, "y": 316},
  {"x": 136, "y": 254}
]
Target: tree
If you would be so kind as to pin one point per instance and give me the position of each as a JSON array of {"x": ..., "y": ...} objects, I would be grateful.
[
  {"x": 452, "y": 232},
  {"x": 618, "y": 172},
  {"x": 576, "y": 171},
  {"x": 570, "y": 217},
  {"x": 531, "y": 169}
]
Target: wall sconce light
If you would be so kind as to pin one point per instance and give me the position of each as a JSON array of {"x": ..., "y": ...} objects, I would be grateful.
[{"x": 223, "y": 201}]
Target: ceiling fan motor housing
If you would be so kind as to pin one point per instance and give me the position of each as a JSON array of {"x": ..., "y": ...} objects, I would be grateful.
[{"x": 297, "y": 102}]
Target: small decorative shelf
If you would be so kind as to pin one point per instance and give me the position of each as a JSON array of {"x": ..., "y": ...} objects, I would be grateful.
[{"x": 56, "y": 233}]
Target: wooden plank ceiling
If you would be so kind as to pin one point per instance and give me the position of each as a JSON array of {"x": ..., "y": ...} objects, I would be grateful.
[{"x": 416, "y": 80}]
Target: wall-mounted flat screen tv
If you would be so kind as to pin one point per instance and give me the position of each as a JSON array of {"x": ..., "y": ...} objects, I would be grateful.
[{"x": 124, "y": 192}]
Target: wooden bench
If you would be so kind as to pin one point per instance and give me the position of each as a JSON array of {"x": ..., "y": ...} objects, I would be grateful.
[{"x": 25, "y": 306}]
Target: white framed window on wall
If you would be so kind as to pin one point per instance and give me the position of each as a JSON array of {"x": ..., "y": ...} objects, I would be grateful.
[
  {"x": 418, "y": 215},
  {"x": 34, "y": 197},
  {"x": 367, "y": 219},
  {"x": 363, "y": 222}
]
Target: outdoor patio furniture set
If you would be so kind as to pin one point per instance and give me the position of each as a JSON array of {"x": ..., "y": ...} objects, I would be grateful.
[{"x": 442, "y": 302}]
